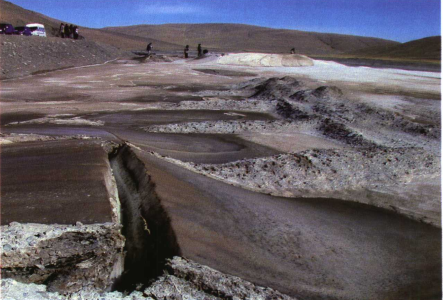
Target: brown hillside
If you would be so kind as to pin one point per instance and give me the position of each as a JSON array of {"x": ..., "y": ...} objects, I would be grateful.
[
  {"x": 18, "y": 16},
  {"x": 423, "y": 49},
  {"x": 238, "y": 37},
  {"x": 23, "y": 55},
  {"x": 220, "y": 37},
  {"x": 124, "y": 41}
]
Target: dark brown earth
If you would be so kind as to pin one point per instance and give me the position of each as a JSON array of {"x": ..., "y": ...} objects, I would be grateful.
[
  {"x": 226, "y": 73},
  {"x": 54, "y": 182}
]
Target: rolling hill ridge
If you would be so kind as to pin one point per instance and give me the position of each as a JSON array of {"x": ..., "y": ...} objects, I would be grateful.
[
  {"x": 248, "y": 38},
  {"x": 235, "y": 38}
]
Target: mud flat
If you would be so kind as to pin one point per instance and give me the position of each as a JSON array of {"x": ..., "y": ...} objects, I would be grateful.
[
  {"x": 319, "y": 181},
  {"x": 42, "y": 180}
]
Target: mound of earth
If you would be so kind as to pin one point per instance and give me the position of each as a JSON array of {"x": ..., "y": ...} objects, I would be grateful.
[
  {"x": 266, "y": 60},
  {"x": 342, "y": 174},
  {"x": 22, "y": 55},
  {"x": 390, "y": 152}
]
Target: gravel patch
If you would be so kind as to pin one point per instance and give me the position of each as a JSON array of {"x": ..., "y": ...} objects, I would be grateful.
[
  {"x": 22, "y": 55},
  {"x": 230, "y": 127}
]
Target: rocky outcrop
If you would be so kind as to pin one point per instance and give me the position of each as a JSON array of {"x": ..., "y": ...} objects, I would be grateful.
[
  {"x": 190, "y": 280},
  {"x": 66, "y": 258},
  {"x": 186, "y": 280}
]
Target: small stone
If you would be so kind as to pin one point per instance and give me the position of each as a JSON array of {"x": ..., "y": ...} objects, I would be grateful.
[{"x": 7, "y": 247}]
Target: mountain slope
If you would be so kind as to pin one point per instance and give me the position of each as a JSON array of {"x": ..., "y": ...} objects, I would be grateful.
[
  {"x": 18, "y": 16},
  {"x": 234, "y": 38},
  {"x": 239, "y": 37},
  {"x": 422, "y": 49}
]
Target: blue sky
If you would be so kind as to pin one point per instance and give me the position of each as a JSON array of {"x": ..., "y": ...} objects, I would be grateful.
[{"x": 400, "y": 20}]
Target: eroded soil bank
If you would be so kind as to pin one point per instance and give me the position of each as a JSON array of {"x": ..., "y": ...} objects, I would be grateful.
[
  {"x": 129, "y": 257},
  {"x": 150, "y": 239}
]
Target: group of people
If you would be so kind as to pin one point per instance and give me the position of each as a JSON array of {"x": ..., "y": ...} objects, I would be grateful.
[
  {"x": 199, "y": 51},
  {"x": 69, "y": 31}
]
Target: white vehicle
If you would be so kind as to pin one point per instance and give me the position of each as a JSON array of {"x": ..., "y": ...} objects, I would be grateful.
[{"x": 37, "y": 29}]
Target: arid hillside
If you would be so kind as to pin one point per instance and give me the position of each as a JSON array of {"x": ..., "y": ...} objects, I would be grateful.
[
  {"x": 422, "y": 49},
  {"x": 18, "y": 16},
  {"x": 240, "y": 37},
  {"x": 219, "y": 37},
  {"x": 22, "y": 55}
]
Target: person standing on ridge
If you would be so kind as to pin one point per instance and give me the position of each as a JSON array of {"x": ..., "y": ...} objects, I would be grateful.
[
  {"x": 199, "y": 50},
  {"x": 75, "y": 32},
  {"x": 67, "y": 31},
  {"x": 71, "y": 31},
  {"x": 62, "y": 30},
  {"x": 293, "y": 51},
  {"x": 149, "y": 48},
  {"x": 186, "y": 51}
]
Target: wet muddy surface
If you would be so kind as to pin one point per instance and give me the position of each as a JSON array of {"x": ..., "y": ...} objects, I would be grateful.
[
  {"x": 317, "y": 247},
  {"x": 163, "y": 97},
  {"x": 316, "y": 242},
  {"x": 54, "y": 182},
  {"x": 198, "y": 148},
  {"x": 228, "y": 73},
  {"x": 146, "y": 117},
  {"x": 7, "y": 118},
  {"x": 61, "y": 130}
]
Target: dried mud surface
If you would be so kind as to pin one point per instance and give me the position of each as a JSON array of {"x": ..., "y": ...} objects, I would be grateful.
[{"x": 320, "y": 181}]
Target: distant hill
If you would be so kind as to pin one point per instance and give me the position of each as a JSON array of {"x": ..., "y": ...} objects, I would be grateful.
[
  {"x": 423, "y": 49},
  {"x": 239, "y": 37},
  {"x": 234, "y": 38},
  {"x": 18, "y": 16}
]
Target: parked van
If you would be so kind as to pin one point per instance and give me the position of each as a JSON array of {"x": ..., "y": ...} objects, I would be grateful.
[
  {"x": 6, "y": 28},
  {"x": 37, "y": 29}
]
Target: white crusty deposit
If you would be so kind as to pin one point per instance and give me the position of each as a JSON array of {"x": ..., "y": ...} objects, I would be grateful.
[{"x": 265, "y": 60}]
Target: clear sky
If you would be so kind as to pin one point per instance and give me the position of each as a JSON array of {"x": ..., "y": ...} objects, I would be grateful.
[{"x": 399, "y": 20}]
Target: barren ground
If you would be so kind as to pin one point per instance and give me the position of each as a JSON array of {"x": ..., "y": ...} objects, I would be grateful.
[{"x": 322, "y": 181}]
